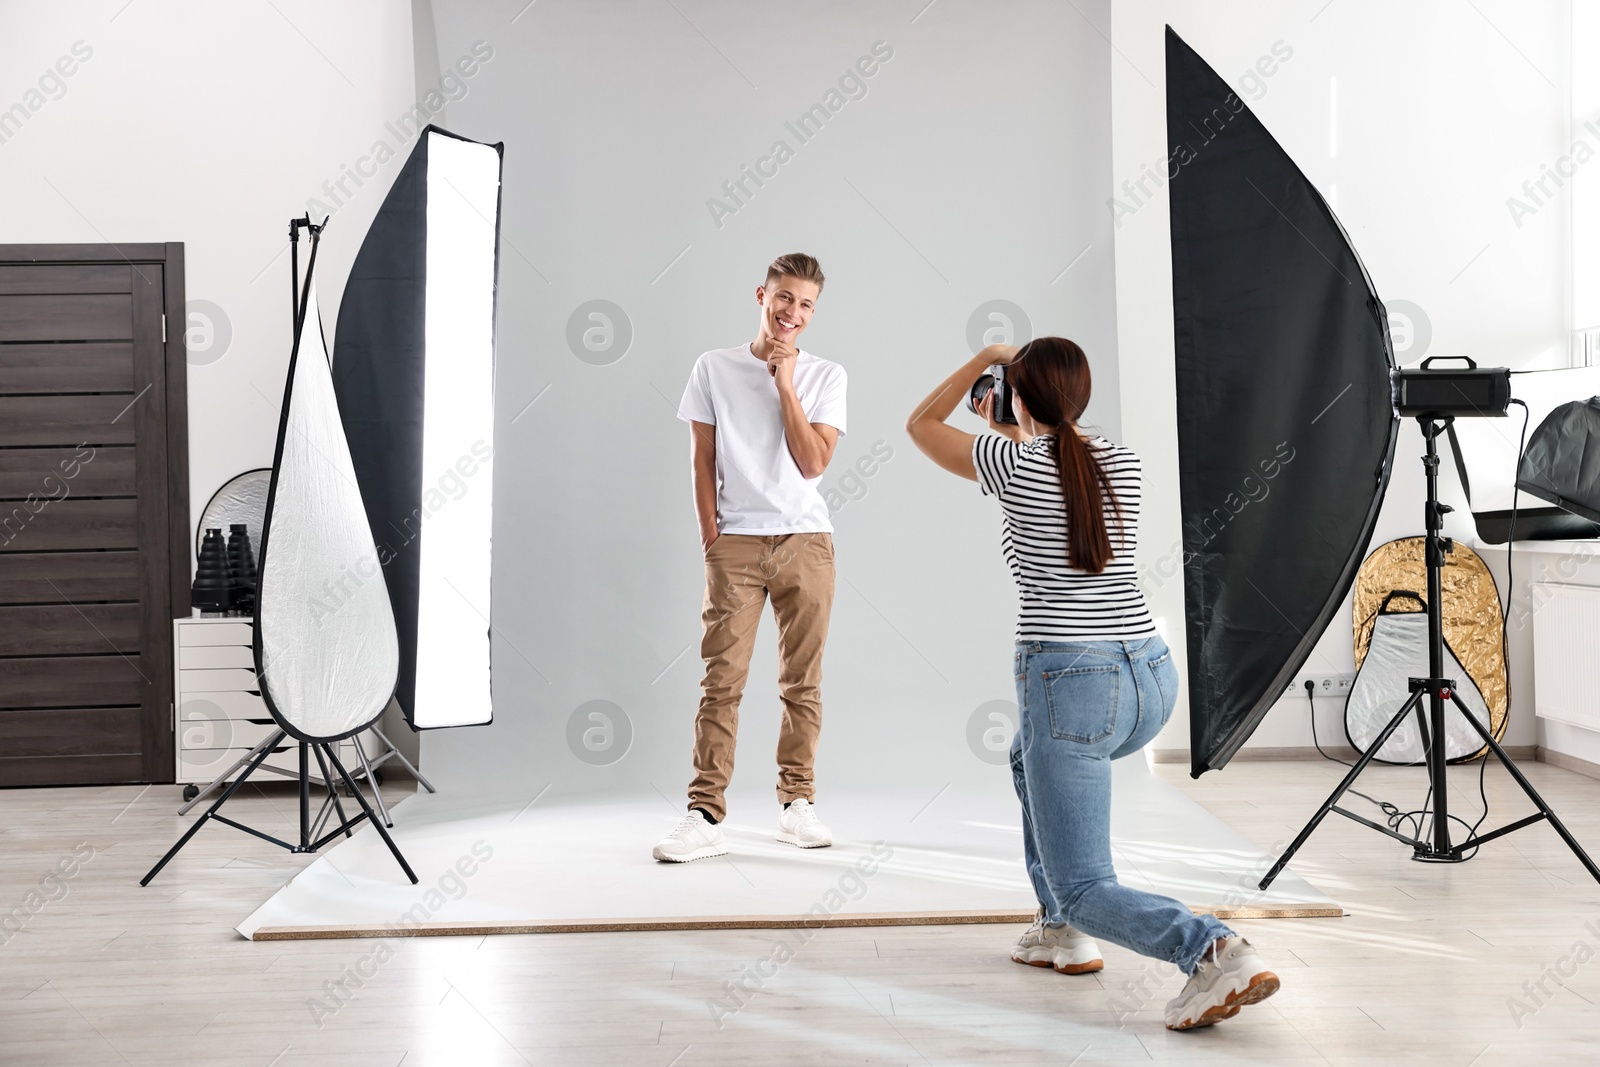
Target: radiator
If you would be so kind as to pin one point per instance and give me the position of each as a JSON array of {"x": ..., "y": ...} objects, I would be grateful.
[{"x": 1566, "y": 653}]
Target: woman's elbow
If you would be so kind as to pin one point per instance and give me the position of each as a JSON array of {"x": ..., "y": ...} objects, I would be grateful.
[{"x": 919, "y": 432}]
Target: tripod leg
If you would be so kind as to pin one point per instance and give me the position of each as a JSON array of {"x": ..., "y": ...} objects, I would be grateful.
[
  {"x": 1424, "y": 735},
  {"x": 221, "y": 779},
  {"x": 324, "y": 813},
  {"x": 395, "y": 752},
  {"x": 212, "y": 810},
  {"x": 376, "y": 823},
  {"x": 1527, "y": 787},
  {"x": 333, "y": 793},
  {"x": 305, "y": 801},
  {"x": 1349, "y": 780},
  {"x": 377, "y": 794}
]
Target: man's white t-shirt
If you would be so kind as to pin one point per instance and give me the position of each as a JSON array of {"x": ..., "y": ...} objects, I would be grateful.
[{"x": 760, "y": 489}]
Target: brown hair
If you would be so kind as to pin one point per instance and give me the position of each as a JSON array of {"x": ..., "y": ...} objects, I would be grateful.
[
  {"x": 1051, "y": 375},
  {"x": 796, "y": 265}
]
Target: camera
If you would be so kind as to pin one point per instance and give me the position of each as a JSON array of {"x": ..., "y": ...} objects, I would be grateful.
[{"x": 994, "y": 381}]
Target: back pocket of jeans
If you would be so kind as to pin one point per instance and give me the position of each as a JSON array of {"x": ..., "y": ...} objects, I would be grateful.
[{"x": 1083, "y": 702}]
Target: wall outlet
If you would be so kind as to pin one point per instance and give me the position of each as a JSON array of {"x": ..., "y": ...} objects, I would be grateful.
[{"x": 1328, "y": 684}]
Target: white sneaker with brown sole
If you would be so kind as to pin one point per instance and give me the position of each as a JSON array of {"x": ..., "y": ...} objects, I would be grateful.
[
  {"x": 1065, "y": 948},
  {"x": 1227, "y": 979}
]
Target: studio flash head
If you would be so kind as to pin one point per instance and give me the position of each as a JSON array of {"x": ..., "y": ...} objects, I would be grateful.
[
  {"x": 1454, "y": 392},
  {"x": 994, "y": 381}
]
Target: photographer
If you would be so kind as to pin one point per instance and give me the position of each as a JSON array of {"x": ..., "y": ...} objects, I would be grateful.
[{"x": 1095, "y": 681}]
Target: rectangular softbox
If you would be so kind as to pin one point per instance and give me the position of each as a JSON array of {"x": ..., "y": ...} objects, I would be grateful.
[{"x": 414, "y": 372}]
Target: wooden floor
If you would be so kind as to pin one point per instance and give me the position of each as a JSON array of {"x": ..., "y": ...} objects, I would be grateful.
[{"x": 1458, "y": 965}]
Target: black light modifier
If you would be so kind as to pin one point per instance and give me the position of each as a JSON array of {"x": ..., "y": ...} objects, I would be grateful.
[
  {"x": 213, "y": 589},
  {"x": 1286, "y": 423}
]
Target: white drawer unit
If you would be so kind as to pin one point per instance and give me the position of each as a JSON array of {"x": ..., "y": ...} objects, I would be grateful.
[
  {"x": 219, "y": 713},
  {"x": 216, "y": 657}
]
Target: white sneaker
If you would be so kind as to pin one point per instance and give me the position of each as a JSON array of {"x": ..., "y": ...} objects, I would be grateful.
[
  {"x": 695, "y": 838},
  {"x": 1066, "y": 948},
  {"x": 798, "y": 825},
  {"x": 1226, "y": 980}
]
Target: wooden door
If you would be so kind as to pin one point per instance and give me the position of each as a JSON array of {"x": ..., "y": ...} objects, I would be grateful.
[{"x": 94, "y": 517}]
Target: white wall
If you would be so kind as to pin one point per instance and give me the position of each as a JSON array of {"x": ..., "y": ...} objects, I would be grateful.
[
  {"x": 210, "y": 124},
  {"x": 974, "y": 168},
  {"x": 1443, "y": 111}
]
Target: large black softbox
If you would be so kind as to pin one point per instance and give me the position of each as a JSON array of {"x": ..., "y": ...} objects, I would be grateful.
[
  {"x": 414, "y": 373},
  {"x": 1562, "y": 463},
  {"x": 1285, "y": 423}
]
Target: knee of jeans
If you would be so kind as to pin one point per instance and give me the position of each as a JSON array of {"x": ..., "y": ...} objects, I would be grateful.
[{"x": 1070, "y": 891}]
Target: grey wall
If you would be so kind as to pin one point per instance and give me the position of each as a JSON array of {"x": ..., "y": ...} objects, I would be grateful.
[{"x": 976, "y": 167}]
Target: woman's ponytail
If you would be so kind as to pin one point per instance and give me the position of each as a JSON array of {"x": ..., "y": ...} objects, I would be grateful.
[
  {"x": 1082, "y": 484},
  {"x": 1051, "y": 374}
]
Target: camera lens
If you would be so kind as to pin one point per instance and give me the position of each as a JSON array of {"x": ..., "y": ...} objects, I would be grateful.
[{"x": 980, "y": 389}]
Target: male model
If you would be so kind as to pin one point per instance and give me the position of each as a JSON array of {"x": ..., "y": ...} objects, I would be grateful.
[{"x": 764, "y": 418}]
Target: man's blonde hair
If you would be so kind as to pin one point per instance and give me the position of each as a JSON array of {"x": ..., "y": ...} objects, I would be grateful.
[{"x": 796, "y": 265}]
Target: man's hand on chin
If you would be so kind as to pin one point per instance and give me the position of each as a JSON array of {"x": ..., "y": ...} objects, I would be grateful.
[{"x": 781, "y": 361}]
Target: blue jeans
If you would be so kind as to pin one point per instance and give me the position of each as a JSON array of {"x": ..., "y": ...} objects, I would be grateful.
[{"x": 1083, "y": 705}]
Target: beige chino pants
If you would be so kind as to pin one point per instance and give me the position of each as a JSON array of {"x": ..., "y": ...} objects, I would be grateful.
[{"x": 742, "y": 571}]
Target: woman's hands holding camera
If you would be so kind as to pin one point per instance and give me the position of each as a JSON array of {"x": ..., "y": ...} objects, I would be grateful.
[
  {"x": 947, "y": 446},
  {"x": 1004, "y": 429},
  {"x": 1004, "y": 355}
]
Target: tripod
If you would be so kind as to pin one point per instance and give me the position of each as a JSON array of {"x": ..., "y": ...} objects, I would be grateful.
[
  {"x": 369, "y": 767},
  {"x": 308, "y": 842},
  {"x": 1435, "y": 848}
]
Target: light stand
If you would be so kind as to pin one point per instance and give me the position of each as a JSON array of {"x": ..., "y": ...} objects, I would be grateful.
[
  {"x": 1438, "y": 690},
  {"x": 308, "y": 841}
]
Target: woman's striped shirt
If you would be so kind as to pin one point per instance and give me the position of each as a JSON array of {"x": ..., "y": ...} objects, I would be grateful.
[{"x": 1058, "y": 602}]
